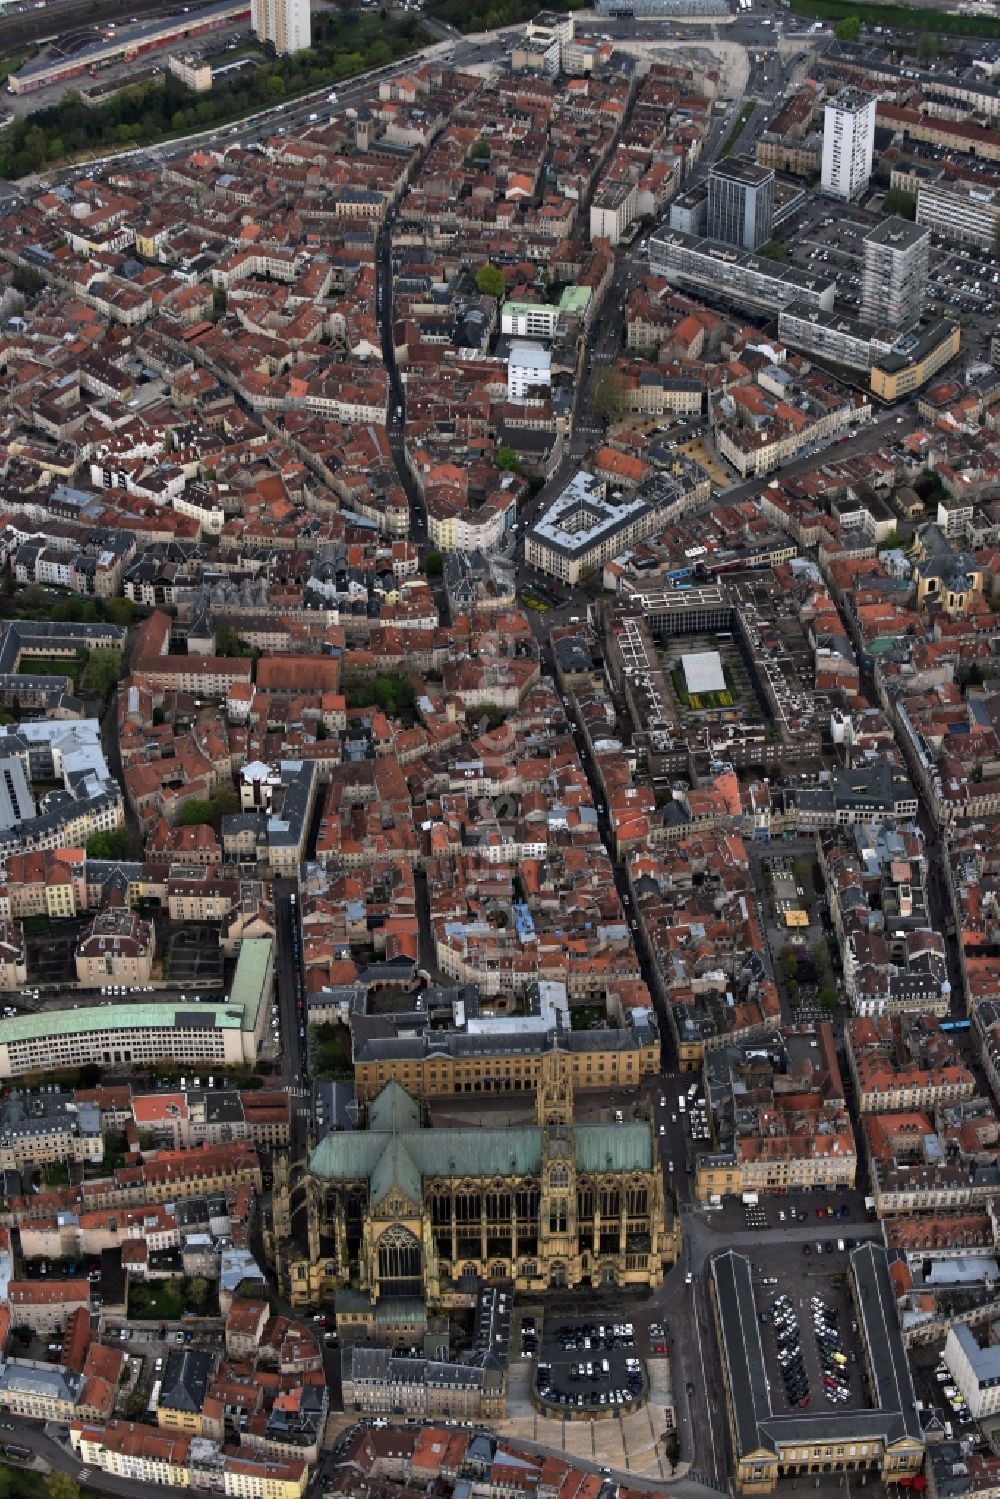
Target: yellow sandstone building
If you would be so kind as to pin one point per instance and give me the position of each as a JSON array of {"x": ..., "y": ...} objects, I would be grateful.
[{"x": 403, "y": 1213}]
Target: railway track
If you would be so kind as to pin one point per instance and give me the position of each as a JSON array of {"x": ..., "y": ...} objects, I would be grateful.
[{"x": 32, "y": 27}]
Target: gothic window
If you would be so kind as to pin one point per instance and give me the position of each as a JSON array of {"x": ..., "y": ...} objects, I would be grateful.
[
  {"x": 638, "y": 1201},
  {"x": 468, "y": 1207},
  {"x": 559, "y": 1178},
  {"x": 399, "y": 1256},
  {"x": 498, "y": 1207},
  {"x": 526, "y": 1203}
]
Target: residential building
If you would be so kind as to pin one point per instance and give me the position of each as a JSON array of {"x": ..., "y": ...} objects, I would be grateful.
[
  {"x": 531, "y": 320},
  {"x": 529, "y": 371},
  {"x": 709, "y": 269},
  {"x": 46, "y": 1305},
  {"x": 612, "y": 210},
  {"x": 38, "y": 1392},
  {"x": 582, "y": 528},
  {"x": 975, "y": 1369},
  {"x": 915, "y": 359},
  {"x": 194, "y": 72},
  {"x": 894, "y": 273},
  {"x": 119, "y": 949},
  {"x": 779, "y": 1117},
  {"x": 283, "y": 23},
  {"x": 39, "y": 1126},
  {"x": 848, "y": 143},
  {"x": 740, "y": 203}
]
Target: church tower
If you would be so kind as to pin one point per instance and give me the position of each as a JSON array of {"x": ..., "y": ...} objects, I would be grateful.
[{"x": 557, "y": 1225}]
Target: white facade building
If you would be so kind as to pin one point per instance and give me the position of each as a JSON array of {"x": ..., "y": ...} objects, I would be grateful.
[
  {"x": 529, "y": 369},
  {"x": 285, "y": 23},
  {"x": 848, "y": 143}
]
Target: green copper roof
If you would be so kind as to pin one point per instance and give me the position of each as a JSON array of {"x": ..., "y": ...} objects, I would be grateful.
[
  {"x": 395, "y": 1169},
  {"x": 614, "y": 1147},
  {"x": 393, "y": 1109},
  {"x": 118, "y": 1017},
  {"x": 250, "y": 981},
  {"x": 403, "y": 1154}
]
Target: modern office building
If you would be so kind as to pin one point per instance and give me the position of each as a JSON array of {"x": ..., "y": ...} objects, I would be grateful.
[
  {"x": 848, "y": 143},
  {"x": 284, "y": 23},
  {"x": 740, "y": 202},
  {"x": 894, "y": 277}
]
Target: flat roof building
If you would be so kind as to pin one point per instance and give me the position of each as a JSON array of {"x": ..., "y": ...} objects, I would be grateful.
[
  {"x": 740, "y": 202},
  {"x": 894, "y": 275},
  {"x": 703, "y": 672},
  {"x": 735, "y": 276},
  {"x": 848, "y": 143}
]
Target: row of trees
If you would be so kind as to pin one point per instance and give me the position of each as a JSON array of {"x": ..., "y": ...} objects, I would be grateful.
[
  {"x": 342, "y": 45},
  {"x": 928, "y": 43}
]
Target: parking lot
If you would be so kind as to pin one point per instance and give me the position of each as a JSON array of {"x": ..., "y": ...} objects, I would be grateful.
[
  {"x": 933, "y": 1385},
  {"x": 590, "y": 1367},
  {"x": 809, "y": 1332}
]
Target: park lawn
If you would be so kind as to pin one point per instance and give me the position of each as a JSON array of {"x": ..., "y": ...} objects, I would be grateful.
[
  {"x": 582, "y": 1018},
  {"x": 161, "y": 1301}
]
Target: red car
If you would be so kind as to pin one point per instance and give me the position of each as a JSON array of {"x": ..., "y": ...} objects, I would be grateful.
[{"x": 803, "y": 1402}]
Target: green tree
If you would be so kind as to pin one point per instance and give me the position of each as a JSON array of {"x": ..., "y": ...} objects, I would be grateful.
[
  {"x": 195, "y": 812},
  {"x": 848, "y": 30},
  {"x": 928, "y": 46},
  {"x": 102, "y": 672},
  {"x": 607, "y": 393},
  {"x": 61, "y": 1486},
  {"x": 120, "y": 612},
  {"x": 507, "y": 459},
  {"x": 489, "y": 281},
  {"x": 37, "y": 147},
  {"x": 828, "y": 998},
  {"x": 228, "y": 643},
  {"x": 434, "y": 564},
  {"x": 394, "y": 695},
  {"x": 901, "y": 203},
  {"x": 27, "y": 280},
  {"x": 116, "y": 844},
  {"x": 773, "y": 251},
  {"x": 481, "y": 151}
]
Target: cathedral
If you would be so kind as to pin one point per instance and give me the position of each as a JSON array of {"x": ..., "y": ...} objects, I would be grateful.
[{"x": 405, "y": 1214}]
